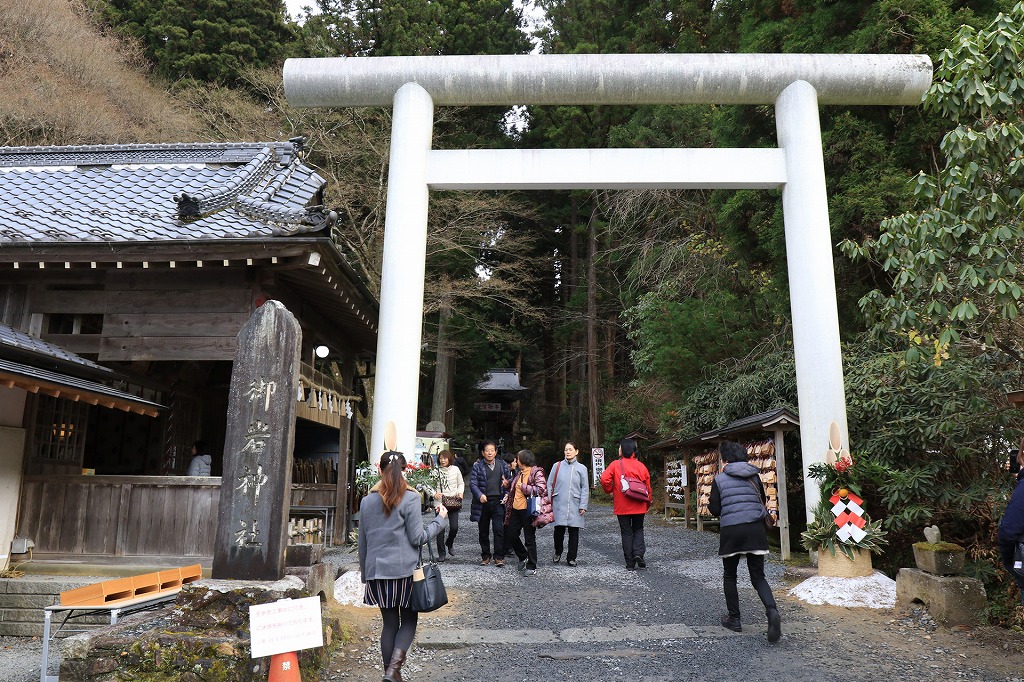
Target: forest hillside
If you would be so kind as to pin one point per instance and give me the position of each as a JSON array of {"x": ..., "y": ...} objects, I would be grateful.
[{"x": 63, "y": 82}]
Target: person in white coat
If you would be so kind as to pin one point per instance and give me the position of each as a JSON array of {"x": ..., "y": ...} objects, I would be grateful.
[
  {"x": 202, "y": 460},
  {"x": 449, "y": 491},
  {"x": 569, "y": 488}
]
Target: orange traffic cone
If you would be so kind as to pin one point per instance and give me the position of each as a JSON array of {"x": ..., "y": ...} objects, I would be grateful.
[{"x": 284, "y": 668}]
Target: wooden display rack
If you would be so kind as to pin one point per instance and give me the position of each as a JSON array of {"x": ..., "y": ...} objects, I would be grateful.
[{"x": 762, "y": 435}]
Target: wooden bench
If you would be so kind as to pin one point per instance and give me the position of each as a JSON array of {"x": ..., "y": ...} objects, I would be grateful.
[{"x": 116, "y": 597}]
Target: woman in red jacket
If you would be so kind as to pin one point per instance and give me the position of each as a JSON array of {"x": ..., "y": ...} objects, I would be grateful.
[{"x": 629, "y": 511}]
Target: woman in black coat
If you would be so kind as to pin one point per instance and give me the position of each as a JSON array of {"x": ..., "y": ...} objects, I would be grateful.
[{"x": 737, "y": 498}]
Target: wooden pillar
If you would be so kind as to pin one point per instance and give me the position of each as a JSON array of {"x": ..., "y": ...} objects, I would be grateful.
[
  {"x": 342, "y": 495},
  {"x": 780, "y": 471},
  {"x": 256, "y": 486}
]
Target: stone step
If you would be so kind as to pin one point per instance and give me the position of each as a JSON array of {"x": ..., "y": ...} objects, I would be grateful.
[
  {"x": 446, "y": 638},
  {"x": 22, "y": 601}
]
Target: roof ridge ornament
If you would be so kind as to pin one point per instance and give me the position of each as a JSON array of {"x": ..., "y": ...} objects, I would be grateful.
[{"x": 193, "y": 205}]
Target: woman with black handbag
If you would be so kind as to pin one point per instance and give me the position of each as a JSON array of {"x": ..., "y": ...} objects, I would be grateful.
[
  {"x": 391, "y": 533},
  {"x": 451, "y": 488}
]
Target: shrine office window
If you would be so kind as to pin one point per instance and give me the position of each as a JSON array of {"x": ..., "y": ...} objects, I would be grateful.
[{"x": 57, "y": 430}]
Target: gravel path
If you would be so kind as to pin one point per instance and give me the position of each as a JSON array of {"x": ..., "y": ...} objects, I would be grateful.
[{"x": 601, "y": 622}]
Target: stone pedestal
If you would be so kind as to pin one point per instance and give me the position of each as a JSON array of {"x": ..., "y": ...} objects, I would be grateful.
[
  {"x": 205, "y": 636},
  {"x": 951, "y": 600},
  {"x": 942, "y": 558}
]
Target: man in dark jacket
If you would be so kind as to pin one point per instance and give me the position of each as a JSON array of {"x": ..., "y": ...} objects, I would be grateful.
[
  {"x": 1011, "y": 529},
  {"x": 488, "y": 482}
]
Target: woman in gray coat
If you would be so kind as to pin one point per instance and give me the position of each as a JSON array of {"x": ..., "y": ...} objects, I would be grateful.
[
  {"x": 390, "y": 535},
  {"x": 569, "y": 488}
]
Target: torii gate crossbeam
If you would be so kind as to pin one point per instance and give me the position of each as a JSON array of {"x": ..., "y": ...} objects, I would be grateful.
[{"x": 794, "y": 83}]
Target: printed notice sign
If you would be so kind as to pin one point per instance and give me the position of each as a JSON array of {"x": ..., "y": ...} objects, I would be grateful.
[
  {"x": 285, "y": 625},
  {"x": 597, "y": 464}
]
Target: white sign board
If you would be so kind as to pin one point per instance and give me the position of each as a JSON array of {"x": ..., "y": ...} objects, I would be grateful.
[
  {"x": 597, "y": 461},
  {"x": 285, "y": 625}
]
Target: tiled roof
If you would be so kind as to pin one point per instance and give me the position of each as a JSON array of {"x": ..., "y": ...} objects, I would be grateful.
[
  {"x": 501, "y": 380},
  {"x": 57, "y": 383},
  {"x": 139, "y": 193},
  {"x": 12, "y": 338}
]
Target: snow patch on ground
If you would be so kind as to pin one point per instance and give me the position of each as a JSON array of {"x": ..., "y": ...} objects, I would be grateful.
[
  {"x": 877, "y": 591},
  {"x": 348, "y": 589}
]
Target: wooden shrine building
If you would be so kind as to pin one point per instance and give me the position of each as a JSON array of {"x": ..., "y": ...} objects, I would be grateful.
[{"x": 126, "y": 272}]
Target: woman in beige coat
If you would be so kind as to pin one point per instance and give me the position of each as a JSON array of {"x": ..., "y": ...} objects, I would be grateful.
[{"x": 450, "y": 485}]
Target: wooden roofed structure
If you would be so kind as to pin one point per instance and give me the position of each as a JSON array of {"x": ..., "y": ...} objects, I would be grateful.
[
  {"x": 774, "y": 422},
  {"x": 144, "y": 261}
]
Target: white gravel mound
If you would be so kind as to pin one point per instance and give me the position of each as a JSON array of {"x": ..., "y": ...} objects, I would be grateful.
[{"x": 877, "y": 591}]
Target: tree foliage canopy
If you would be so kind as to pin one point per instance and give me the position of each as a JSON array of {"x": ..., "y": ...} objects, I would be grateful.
[
  {"x": 208, "y": 40},
  {"x": 954, "y": 262}
]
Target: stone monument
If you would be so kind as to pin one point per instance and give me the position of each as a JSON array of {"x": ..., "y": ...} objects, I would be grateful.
[{"x": 256, "y": 483}]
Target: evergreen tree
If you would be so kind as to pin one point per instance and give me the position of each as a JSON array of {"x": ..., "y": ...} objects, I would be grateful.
[
  {"x": 954, "y": 262},
  {"x": 208, "y": 40}
]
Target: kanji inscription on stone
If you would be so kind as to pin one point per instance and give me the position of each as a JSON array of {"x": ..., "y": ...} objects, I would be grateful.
[{"x": 256, "y": 484}]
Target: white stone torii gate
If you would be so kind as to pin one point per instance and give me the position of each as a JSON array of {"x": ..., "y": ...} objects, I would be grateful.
[{"x": 795, "y": 83}]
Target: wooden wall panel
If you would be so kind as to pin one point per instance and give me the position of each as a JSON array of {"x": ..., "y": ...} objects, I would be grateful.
[
  {"x": 167, "y": 348},
  {"x": 201, "y": 529},
  {"x": 176, "y": 278},
  {"x": 52, "y": 513},
  {"x": 76, "y": 343},
  {"x": 76, "y": 516},
  {"x": 100, "y": 534},
  {"x": 30, "y": 510},
  {"x": 160, "y": 301},
  {"x": 173, "y": 324},
  {"x": 121, "y": 515}
]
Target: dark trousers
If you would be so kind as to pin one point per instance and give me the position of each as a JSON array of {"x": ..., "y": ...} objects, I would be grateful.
[
  {"x": 755, "y": 565},
  {"x": 520, "y": 520},
  {"x": 397, "y": 632},
  {"x": 492, "y": 517},
  {"x": 632, "y": 528},
  {"x": 574, "y": 541},
  {"x": 1006, "y": 554},
  {"x": 447, "y": 538}
]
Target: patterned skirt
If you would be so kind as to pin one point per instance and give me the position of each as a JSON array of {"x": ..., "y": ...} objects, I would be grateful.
[{"x": 389, "y": 593}]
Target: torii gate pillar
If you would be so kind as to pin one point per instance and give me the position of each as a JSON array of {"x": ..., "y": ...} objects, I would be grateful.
[{"x": 795, "y": 83}]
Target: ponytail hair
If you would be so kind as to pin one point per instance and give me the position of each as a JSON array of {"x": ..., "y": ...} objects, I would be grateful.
[{"x": 392, "y": 483}]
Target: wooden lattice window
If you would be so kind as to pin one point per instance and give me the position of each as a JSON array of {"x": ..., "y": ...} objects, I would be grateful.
[{"x": 58, "y": 432}]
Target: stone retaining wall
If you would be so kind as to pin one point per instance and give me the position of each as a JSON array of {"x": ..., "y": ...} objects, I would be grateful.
[{"x": 22, "y": 601}]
